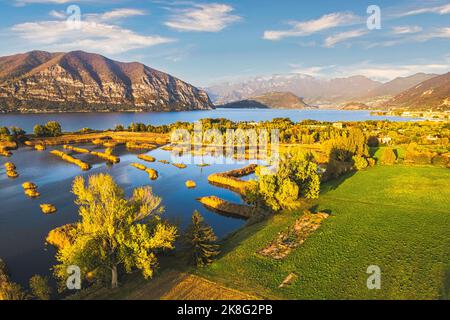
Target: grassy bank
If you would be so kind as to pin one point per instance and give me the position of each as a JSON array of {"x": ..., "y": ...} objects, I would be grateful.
[{"x": 395, "y": 217}]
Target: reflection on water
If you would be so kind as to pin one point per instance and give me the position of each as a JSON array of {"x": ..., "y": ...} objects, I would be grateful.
[
  {"x": 23, "y": 228},
  {"x": 103, "y": 121}
]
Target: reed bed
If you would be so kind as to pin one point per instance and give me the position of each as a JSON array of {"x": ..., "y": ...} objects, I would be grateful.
[
  {"x": 105, "y": 156},
  {"x": 64, "y": 156},
  {"x": 164, "y": 161},
  {"x": 11, "y": 170},
  {"x": 30, "y": 190},
  {"x": 147, "y": 158},
  {"x": 203, "y": 165},
  {"x": 227, "y": 208},
  {"x": 5, "y": 153},
  {"x": 62, "y": 236},
  {"x": 48, "y": 208},
  {"x": 110, "y": 144},
  {"x": 75, "y": 149},
  {"x": 230, "y": 179},
  {"x": 179, "y": 165},
  {"x": 191, "y": 184},
  {"x": 108, "y": 157},
  {"x": 39, "y": 147},
  {"x": 140, "y": 146},
  {"x": 152, "y": 174}
]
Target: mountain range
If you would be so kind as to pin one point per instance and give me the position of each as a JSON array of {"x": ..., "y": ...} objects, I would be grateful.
[
  {"x": 430, "y": 94},
  {"x": 40, "y": 81},
  {"x": 359, "y": 90},
  {"x": 78, "y": 81}
]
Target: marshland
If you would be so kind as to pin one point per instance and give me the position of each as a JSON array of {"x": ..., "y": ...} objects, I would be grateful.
[{"x": 217, "y": 195}]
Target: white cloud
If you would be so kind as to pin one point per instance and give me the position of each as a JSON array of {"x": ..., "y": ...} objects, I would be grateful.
[
  {"x": 58, "y": 14},
  {"x": 331, "y": 41},
  {"x": 116, "y": 14},
  {"x": 91, "y": 36},
  {"x": 444, "y": 9},
  {"x": 212, "y": 17},
  {"x": 440, "y": 33},
  {"x": 406, "y": 29},
  {"x": 305, "y": 28}
]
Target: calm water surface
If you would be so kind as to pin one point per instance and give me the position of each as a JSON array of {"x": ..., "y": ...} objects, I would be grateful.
[{"x": 103, "y": 121}]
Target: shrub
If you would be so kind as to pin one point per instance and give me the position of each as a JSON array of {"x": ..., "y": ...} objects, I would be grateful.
[
  {"x": 40, "y": 287},
  {"x": 360, "y": 163},
  {"x": 388, "y": 157}
]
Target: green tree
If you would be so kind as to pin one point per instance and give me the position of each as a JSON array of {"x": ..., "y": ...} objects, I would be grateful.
[
  {"x": 39, "y": 131},
  {"x": 4, "y": 131},
  {"x": 296, "y": 177},
  {"x": 40, "y": 287},
  {"x": 202, "y": 241},
  {"x": 115, "y": 231},
  {"x": 53, "y": 129}
]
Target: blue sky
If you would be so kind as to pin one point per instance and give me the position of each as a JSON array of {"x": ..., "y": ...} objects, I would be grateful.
[{"x": 206, "y": 42}]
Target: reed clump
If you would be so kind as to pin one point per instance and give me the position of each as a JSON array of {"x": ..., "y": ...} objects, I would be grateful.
[
  {"x": 97, "y": 142},
  {"x": 48, "y": 208},
  {"x": 152, "y": 174},
  {"x": 30, "y": 190},
  {"x": 138, "y": 166},
  {"x": 110, "y": 144},
  {"x": 167, "y": 148},
  {"x": 228, "y": 208},
  {"x": 147, "y": 158},
  {"x": 39, "y": 147},
  {"x": 61, "y": 237},
  {"x": 11, "y": 170},
  {"x": 64, "y": 156},
  {"x": 108, "y": 157},
  {"x": 164, "y": 161},
  {"x": 140, "y": 146},
  {"x": 191, "y": 184},
  {"x": 179, "y": 165},
  {"x": 76, "y": 149},
  {"x": 5, "y": 153},
  {"x": 230, "y": 179}
]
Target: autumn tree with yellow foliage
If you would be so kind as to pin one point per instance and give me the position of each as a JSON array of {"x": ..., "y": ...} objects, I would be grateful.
[{"x": 115, "y": 231}]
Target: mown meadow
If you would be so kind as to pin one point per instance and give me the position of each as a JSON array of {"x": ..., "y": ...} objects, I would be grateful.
[{"x": 395, "y": 217}]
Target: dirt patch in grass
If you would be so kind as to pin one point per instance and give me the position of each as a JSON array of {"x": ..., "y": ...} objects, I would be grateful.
[{"x": 295, "y": 236}]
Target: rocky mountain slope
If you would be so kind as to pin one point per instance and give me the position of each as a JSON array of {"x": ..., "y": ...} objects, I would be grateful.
[
  {"x": 398, "y": 85},
  {"x": 78, "y": 81},
  {"x": 431, "y": 94},
  {"x": 271, "y": 100},
  {"x": 314, "y": 90}
]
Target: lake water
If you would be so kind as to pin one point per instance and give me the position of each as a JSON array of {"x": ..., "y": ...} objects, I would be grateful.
[
  {"x": 23, "y": 228},
  {"x": 103, "y": 121}
]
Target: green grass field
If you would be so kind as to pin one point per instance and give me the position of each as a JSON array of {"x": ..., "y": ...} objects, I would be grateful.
[{"x": 396, "y": 217}]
